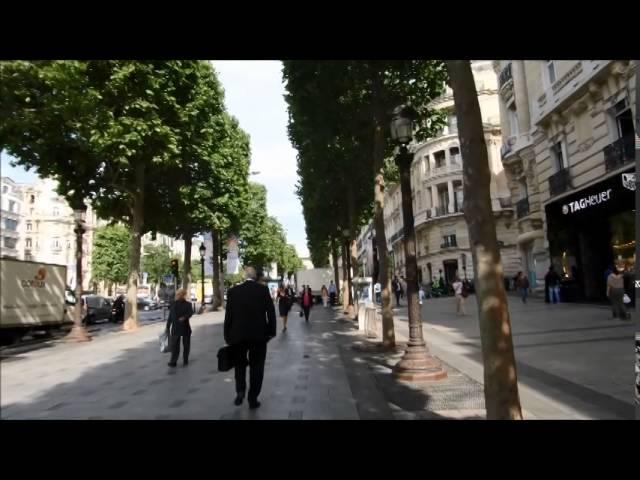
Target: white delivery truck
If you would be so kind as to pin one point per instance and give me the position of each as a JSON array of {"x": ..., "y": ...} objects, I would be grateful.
[
  {"x": 315, "y": 278},
  {"x": 32, "y": 297}
]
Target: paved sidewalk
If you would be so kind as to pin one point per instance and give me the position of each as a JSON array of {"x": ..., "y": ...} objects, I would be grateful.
[
  {"x": 322, "y": 370},
  {"x": 574, "y": 361}
]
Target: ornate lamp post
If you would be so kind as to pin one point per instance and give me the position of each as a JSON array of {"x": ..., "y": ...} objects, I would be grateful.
[
  {"x": 416, "y": 364},
  {"x": 203, "y": 251},
  {"x": 78, "y": 332}
]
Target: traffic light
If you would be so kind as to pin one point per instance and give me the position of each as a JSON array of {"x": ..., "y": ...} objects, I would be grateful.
[{"x": 175, "y": 269}]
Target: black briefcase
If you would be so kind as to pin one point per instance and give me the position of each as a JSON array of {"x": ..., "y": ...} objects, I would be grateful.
[{"x": 226, "y": 360}]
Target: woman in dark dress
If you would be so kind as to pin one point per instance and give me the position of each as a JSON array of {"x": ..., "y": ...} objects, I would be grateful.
[
  {"x": 284, "y": 305},
  {"x": 178, "y": 326}
]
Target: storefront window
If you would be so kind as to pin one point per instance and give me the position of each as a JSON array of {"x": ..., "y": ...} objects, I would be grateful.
[{"x": 623, "y": 240}]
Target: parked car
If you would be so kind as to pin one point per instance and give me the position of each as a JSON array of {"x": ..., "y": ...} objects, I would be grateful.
[
  {"x": 96, "y": 308},
  {"x": 146, "y": 304}
]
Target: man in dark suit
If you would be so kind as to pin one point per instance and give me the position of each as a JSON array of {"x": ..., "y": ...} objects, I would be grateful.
[{"x": 249, "y": 323}]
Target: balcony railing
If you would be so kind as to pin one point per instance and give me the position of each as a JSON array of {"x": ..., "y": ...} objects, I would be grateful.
[
  {"x": 505, "y": 75},
  {"x": 559, "y": 182},
  {"x": 440, "y": 211},
  {"x": 522, "y": 207},
  {"x": 620, "y": 152}
]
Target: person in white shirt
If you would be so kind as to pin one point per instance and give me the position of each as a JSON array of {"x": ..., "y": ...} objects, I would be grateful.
[
  {"x": 458, "y": 288},
  {"x": 332, "y": 293},
  {"x": 421, "y": 294}
]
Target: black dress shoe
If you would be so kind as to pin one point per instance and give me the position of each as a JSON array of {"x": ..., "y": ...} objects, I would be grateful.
[
  {"x": 239, "y": 399},
  {"x": 172, "y": 365},
  {"x": 254, "y": 404},
  {"x": 185, "y": 363}
]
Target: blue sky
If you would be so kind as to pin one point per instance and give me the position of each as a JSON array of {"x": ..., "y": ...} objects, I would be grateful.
[{"x": 253, "y": 94}]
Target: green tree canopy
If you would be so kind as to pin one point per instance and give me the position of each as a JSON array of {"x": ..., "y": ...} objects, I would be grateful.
[
  {"x": 110, "y": 256},
  {"x": 156, "y": 261}
]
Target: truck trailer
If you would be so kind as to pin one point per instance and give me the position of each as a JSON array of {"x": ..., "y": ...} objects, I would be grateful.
[{"x": 32, "y": 297}]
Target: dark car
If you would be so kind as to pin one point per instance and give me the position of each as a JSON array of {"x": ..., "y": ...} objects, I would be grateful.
[
  {"x": 96, "y": 308},
  {"x": 146, "y": 304}
]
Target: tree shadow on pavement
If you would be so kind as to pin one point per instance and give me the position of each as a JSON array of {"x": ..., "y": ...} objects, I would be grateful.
[{"x": 372, "y": 382}]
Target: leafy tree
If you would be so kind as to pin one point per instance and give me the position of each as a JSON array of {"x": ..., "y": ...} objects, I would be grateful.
[
  {"x": 262, "y": 238},
  {"x": 348, "y": 103},
  {"x": 500, "y": 379},
  {"x": 48, "y": 111},
  {"x": 110, "y": 259},
  {"x": 196, "y": 271},
  {"x": 289, "y": 261},
  {"x": 156, "y": 262}
]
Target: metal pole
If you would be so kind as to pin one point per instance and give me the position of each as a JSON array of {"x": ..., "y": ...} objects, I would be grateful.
[
  {"x": 78, "y": 331},
  {"x": 202, "y": 284},
  {"x": 417, "y": 363}
]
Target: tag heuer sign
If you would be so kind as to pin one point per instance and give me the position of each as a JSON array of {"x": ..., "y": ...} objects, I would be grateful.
[
  {"x": 629, "y": 181},
  {"x": 586, "y": 202}
]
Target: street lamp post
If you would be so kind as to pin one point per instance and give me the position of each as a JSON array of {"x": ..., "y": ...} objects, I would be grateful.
[
  {"x": 203, "y": 251},
  {"x": 417, "y": 363},
  {"x": 78, "y": 332}
]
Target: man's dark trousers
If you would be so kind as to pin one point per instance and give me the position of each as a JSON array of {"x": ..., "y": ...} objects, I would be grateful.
[{"x": 257, "y": 354}]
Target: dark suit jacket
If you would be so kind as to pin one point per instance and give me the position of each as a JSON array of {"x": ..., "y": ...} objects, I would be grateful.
[
  {"x": 250, "y": 315},
  {"x": 180, "y": 309}
]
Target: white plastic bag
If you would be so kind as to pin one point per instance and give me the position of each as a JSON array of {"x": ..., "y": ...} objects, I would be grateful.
[
  {"x": 626, "y": 299},
  {"x": 164, "y": 342}
]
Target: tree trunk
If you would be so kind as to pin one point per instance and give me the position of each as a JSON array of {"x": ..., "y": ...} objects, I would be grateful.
[
  {"x": 215, "y": 257},
  {"x": 334, "y": 259},
  {"x": 137, "y": 225},
  {"x": 186, "y": 267},
  {"x": 388, "y": 330},
  {"x": 345, "y": 281},
  {"x": 500, "y": 379}
]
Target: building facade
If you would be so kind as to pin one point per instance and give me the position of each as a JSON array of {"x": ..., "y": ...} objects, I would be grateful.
[
  {"x": 569, "y": 146},
  {"x": 10, "y": 219},
  {"x": 442, "y": 239},
  {"x": 47, "y": 230}
]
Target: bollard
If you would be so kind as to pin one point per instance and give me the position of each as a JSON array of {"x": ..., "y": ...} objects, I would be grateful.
[{"x": 371, "y": 320}]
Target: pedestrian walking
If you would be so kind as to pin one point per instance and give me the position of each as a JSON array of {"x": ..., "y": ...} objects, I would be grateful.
[
  {"x": 332, "y": 293},
  {"x": 522, "y": 284},
  {"x": 421, "y": 294},
  {"x": 249, "y": 323},
  {"x": 461, "y": 294},
  {"x": 615, "y": 293},
  {"x": 307, "y": 303},
  {"x": 284, "y": 306},
  {"x": 403, "y": 286},
  {"x": 178, "y": 327},
  {"x": 552, "y": 284},
  {"x": 325, "y": 296},
  {"x": 397, "y": 290}
]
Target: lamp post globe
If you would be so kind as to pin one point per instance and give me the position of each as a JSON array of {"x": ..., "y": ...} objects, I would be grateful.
[
  {"x": 416, "y": 364},
  {"x": 402, "y": 124}
]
